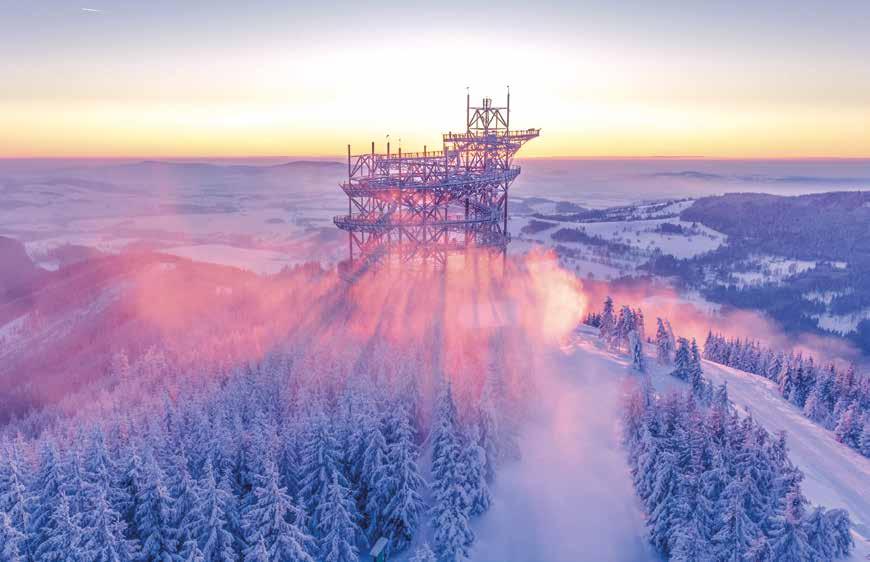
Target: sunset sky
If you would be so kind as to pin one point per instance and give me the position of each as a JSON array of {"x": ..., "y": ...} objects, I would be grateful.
[{"x": 268, "y": 77}]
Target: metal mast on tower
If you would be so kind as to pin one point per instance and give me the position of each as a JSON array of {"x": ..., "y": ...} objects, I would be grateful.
[{"x": 424, "y": 205}]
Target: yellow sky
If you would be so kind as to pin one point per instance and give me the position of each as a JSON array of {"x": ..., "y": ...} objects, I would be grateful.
[{"x": 593, "y": 94}]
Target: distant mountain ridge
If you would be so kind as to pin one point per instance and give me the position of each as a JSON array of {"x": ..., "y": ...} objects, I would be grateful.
[
  {"x": 764, "y": 179},
  {"x": 241, "y": 168},
  {"x": 832, "y": 225}
]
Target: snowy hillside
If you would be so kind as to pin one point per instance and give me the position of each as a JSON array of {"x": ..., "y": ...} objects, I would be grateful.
[{"x": 835, "y": 475}]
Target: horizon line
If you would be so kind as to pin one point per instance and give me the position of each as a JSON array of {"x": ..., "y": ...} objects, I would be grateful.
[{"x": 342, "y": 158}]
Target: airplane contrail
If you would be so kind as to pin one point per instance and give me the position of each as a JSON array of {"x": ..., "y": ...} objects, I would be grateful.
[{"x": 91, "y": 10}]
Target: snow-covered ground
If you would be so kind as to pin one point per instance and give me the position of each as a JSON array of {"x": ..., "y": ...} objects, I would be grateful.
[
  {"x": 259, "y": 261},
  {"x": 771, "y": 269},
  {"x": 645, "y": 235},
  {"x": 835, "y": 475},
  {"x": 842, "y": 323},
  {"x": 571, "y": 494}
]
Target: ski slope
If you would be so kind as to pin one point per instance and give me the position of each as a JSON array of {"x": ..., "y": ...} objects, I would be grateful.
[
  {"x": 571, "y": 494},
  {"x": 570, "y": 497},
  {"x": 835, "y": 475}
]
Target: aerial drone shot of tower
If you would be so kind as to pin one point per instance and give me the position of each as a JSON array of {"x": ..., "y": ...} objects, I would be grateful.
[{"x": 422, "y": 206}]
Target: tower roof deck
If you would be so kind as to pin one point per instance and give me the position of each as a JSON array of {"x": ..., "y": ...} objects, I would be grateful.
[{"x": 462, "y": 179}]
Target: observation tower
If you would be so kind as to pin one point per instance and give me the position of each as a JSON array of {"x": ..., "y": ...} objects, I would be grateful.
[{"x": 422, "y": 206}]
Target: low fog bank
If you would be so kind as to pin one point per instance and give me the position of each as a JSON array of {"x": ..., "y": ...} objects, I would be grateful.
[
  {"x": 609, "y": 182},
  {"x": 571, "y": 494}
]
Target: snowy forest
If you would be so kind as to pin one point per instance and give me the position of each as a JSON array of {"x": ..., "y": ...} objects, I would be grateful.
[
  {"x": 714, "y": 485},
  {"x": 263, "y": 464},
  {"x": 311, "y": 451},
  {"x": 836, "y": 398}
]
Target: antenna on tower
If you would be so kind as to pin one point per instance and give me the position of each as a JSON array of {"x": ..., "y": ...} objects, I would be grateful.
[
  {"x": 467, "y": 108},
  {"x": 507, "y": 123}
]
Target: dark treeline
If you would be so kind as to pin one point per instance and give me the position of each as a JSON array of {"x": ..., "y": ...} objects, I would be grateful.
[
  {"x": 824, "y": 228},
  {"x": 836, "y": 398},
  {"x": 285, "y": 460},
  {"x": 717, "y": 486}
]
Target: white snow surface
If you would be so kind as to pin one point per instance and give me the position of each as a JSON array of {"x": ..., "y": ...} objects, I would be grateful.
[
  {"x": 642, "y": 234},
  {"x": 835, "y": 475},
  {"x": 571, "y": 494},
  {"x": 842, "y": 323}
]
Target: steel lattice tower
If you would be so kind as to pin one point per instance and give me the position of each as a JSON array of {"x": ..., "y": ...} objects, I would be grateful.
[{"x": 425, "y": 205}]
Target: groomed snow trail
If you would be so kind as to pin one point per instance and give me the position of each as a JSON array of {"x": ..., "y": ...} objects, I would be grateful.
[
  {"x": 570, "y": 497},
  {"x": 835, "y": 475}
]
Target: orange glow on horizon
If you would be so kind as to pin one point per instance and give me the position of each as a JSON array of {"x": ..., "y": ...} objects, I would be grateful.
[{"x": 585, "y": 129}]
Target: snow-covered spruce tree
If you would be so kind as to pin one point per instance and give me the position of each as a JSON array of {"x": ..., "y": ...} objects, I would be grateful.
[
  {"x": 376, "y": 480},
  {"x": 75, "y": 486},
  {"x": 489, "y": 426},
  {"x": 635, "y": 346},
  {"x": 99, "y": 468},
  {"x": 848, "y": 430},
  {"x": 258, "y": 553},
  {"x": 338, "y": 528},
  {"x": 664, "y": 353},
  {"x": 273, "y": 519},
  {"x": 453, "y": 534},
  {"x": 638, "y": 324},
  {"x": 789, "y": 540},
  {"x": 608, "y": 321},
  {"x": 11, "y": 540},
  {"x": 64, "y": 537},
  {"x": 737, "y": 530},
  {"x": 499, "y": 429},
  {"x": 625, "y": 323},
  {"x": 104, "y": 538},
  {"x": 476, "y": 486},
  {"x": 209, "y": 523},
  {"x": 13, "y": 495},
  {"x": 865, "y": 437},
  {"x": 423, "y": 554},
  {"x": 154, "y": 517},
  {"x": 696, "y": 373},
  {"x": 126, "y": 491},
  {"x": 45, "y": 494},
  {"x": 184, "y": 494},
  {"x": 321, "y": 462},
  {"x": 405, "y": 506},
  {"x": 820, "y": 534},
  {"x": 682, "y": 360},
  {"x": 841, "y": 526},
  {"x": 190, "y": 552},
  {"x": 788, "y": 378},
  {"x": 663, "y": 503}
]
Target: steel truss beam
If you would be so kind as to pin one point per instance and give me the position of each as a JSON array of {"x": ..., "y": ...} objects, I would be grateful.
[{"x": 422, "y": 206}]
